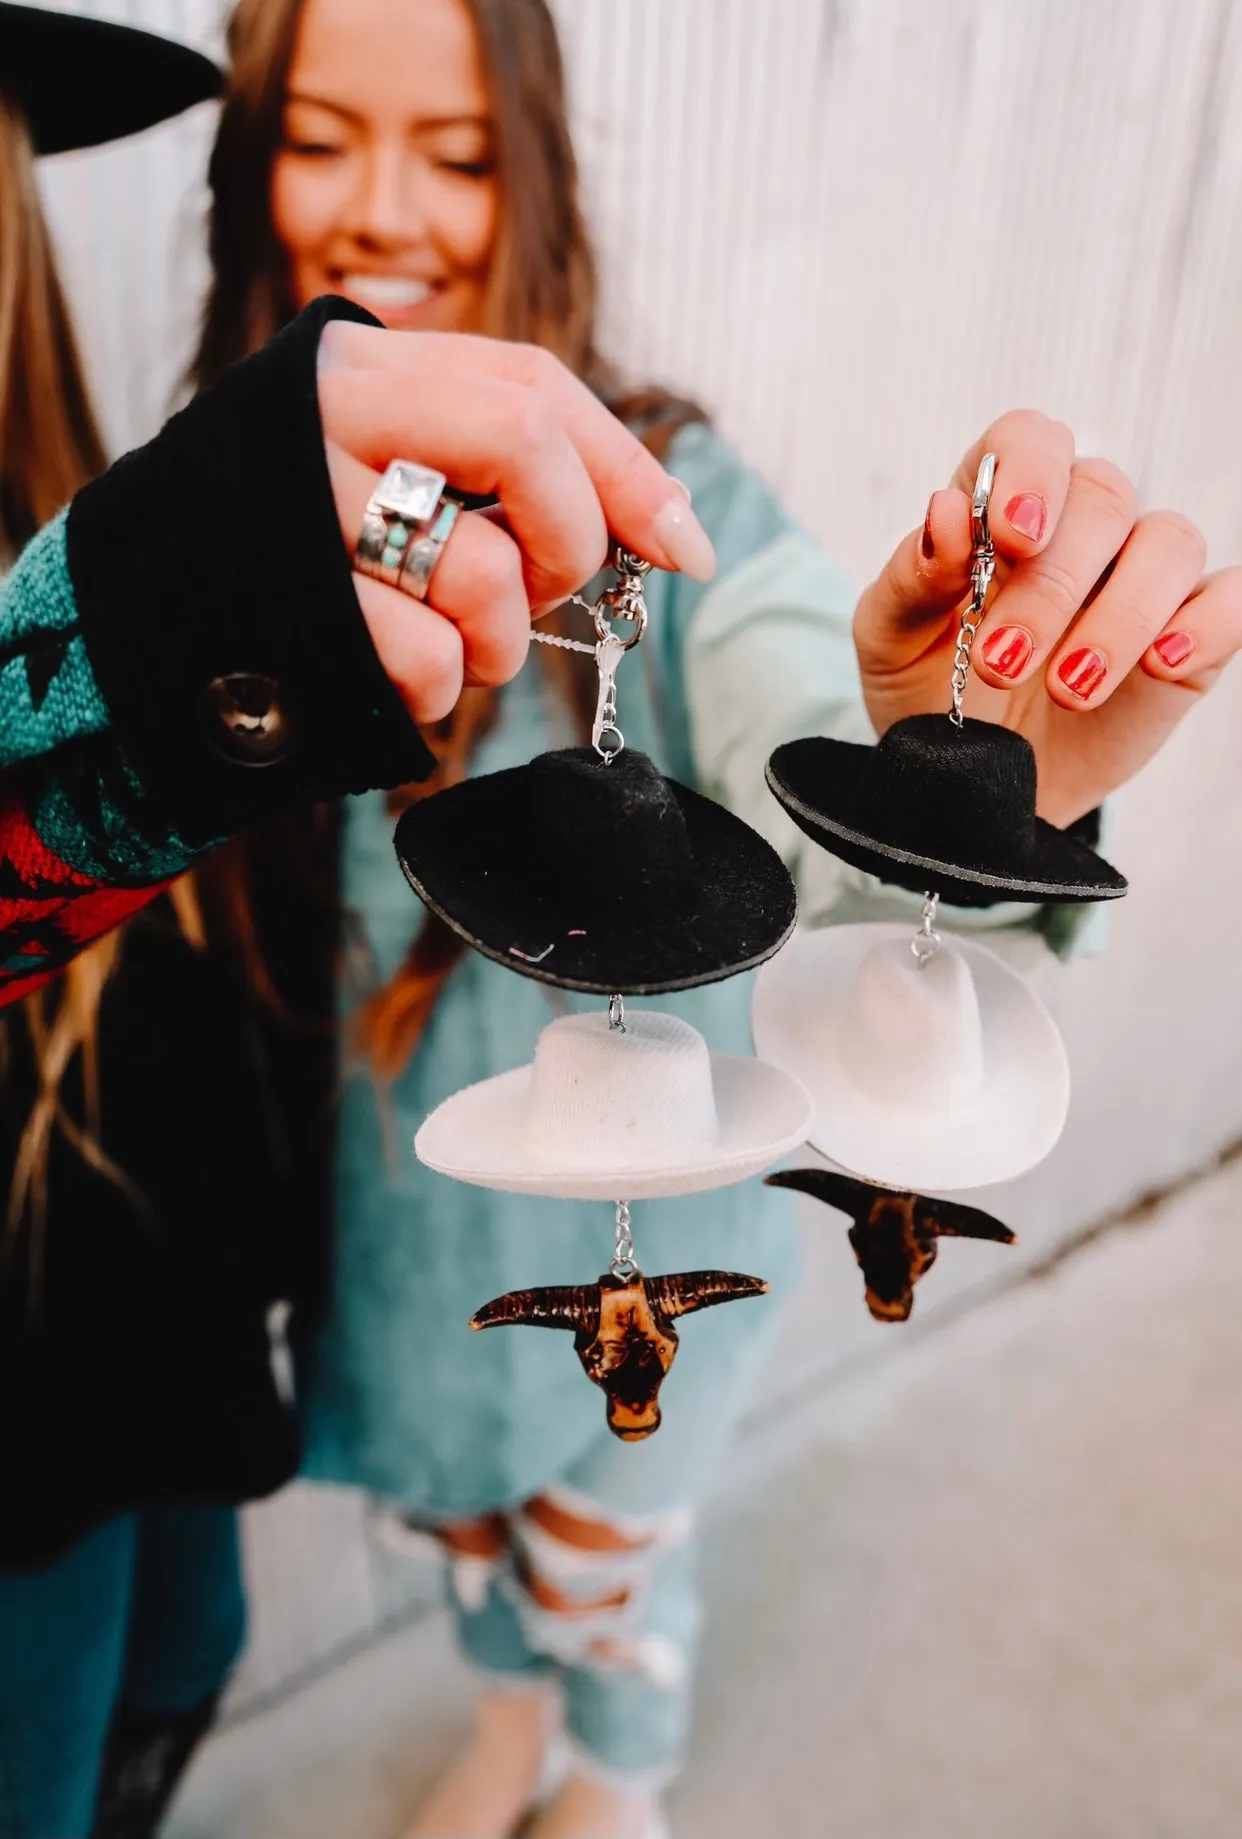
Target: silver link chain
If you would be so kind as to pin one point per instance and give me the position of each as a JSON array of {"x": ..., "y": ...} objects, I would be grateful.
[
  {"x": 983, "y": 568},
  {"x": 623, "y": 1265}
]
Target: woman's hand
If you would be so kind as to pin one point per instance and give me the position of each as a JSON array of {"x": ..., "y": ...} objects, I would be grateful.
[
  {"x": 497, "y": 419},
  {"x": 1101, "y": 633}
]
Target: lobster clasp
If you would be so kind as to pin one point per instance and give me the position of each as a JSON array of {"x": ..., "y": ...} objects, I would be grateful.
[{"x": 980, "y": 529}]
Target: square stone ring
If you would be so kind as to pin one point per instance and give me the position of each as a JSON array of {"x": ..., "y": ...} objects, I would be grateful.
[{"x": 406, "y": 524}]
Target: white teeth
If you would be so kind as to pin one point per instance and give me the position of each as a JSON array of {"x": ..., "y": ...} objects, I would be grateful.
[{"x": 389, "y": 291}]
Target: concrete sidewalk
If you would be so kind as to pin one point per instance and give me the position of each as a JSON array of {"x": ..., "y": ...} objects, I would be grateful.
[{"x": 990, "y": 1588}]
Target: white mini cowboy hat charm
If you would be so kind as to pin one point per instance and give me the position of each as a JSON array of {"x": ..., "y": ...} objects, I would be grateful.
[
  {"x": 938, "y": 1070},
  {"x": 639, "y": 1110}
]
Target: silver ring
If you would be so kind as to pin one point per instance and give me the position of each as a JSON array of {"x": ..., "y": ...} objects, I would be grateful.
[
  {"x": 401, "y": 509},
  {"x": 424, "y": 551}
]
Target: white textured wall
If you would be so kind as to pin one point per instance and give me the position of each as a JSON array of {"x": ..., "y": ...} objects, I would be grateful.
[{"x": 858, "y": 229}]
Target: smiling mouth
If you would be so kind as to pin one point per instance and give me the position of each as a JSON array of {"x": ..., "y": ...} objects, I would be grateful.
[{"x": 386, "y": 293}]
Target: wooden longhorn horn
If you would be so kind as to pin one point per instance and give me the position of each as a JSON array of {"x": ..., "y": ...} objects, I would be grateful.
[
  {"x": 573, "y": 1306},
  {"x": 685, "y": 1291},
  {"x": 844, "y": 1192},
  {"x": 951, "y": 1219}
]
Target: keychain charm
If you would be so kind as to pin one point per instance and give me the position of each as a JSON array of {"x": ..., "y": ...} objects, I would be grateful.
[
  {"x": 942, "y": 802},
  {"x": 623, "y": 1326},
  {"x": 894, "y": 1234},
  {"x": 931, "y": 1063},
  {"x": 588, "y": 868}
]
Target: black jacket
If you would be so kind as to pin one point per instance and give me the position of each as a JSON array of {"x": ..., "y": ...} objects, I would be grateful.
[{"x": 141, "y": 1357}]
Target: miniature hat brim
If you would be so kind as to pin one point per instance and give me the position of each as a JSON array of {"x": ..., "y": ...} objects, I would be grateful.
[
  {"x": 818, "y": 782},
  {"x": 80, "y": 82},
  {"x": 1012, "y": 1123},
  {"x": 478, "y": 1136},
  {"x": 466, "y": 854}
]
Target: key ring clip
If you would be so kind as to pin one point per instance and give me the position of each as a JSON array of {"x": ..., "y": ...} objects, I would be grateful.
[
  {"x": 982, "y": 569},
  {"x": 623, "y": 602}
]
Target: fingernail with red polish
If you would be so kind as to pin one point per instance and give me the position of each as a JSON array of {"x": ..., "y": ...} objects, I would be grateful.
[
  {"x": 928, "y": 544},
  {"x": 1174, "y": 648},
  {"x": 1028, "y": 514},
  {"x": 1083, "y": 671},
  {"x": 1008, "y": 650}
]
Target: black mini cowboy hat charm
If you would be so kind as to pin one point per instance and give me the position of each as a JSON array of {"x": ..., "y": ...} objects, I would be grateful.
[
  {"x": 942, "y": 804},
  {"x": 587, "y": 868},
  {"x": 932, "y": 805},
  {"x": 598, "y": 875}
]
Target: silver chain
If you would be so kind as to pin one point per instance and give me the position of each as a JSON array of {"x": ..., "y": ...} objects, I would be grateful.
[
  {"x": 926, "y": 941},
  {"x": 623, "y": 1264},
  {"x": 624, "y": 602},
  {"x": 554, "y": 638},
  {"x": 983, "y": 568}
]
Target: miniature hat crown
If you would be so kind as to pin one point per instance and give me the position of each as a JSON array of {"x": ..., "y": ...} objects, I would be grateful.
[
  {"x": 912, "y": 1033},
  {"x": 601, "y": 1096},
  {"x": 599, "y": 830},
  {"x": 942, "y": 783}
]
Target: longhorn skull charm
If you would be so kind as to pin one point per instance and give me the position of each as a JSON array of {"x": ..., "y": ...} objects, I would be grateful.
[
  {"x": 623, "y": 1331},
  {"x": 894, "y": 1233}
]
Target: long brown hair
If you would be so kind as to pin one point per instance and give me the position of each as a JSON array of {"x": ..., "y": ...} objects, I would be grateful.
[
  {"x": 542, "y": 279},
  {"x": 50, "y": 446},
  {"x": 49, "y": 440},
  {"x": 542, "y": 288}
]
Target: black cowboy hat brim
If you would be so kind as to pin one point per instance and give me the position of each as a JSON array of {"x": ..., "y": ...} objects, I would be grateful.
[
  {"x": 467, "y": 854},
  {"x": 80, "y": 82},
  {"x": 818, "y": 783}
]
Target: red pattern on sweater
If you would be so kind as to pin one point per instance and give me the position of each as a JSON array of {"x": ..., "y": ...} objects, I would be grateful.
[{"x": 48, "y": 911}]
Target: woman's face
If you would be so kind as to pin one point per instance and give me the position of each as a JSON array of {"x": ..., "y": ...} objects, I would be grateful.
[{"x": 383, "y": 189}]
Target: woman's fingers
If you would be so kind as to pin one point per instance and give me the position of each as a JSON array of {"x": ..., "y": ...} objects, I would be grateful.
[
  {"x": 419, "y": 649},
  {"x": 929, "y": 572},
  {"x": 487, "y": 437},
  {"x": 1033, "y": 459},
  {"x": 1043, "y": 595},
  {"x": 925, "y": 578},
  {"x": 477, "y": 588},
  {"x": 497, "y": 418},
  {"x": 1202, "y": 636},
  {"x": 1158, "y": 568}
]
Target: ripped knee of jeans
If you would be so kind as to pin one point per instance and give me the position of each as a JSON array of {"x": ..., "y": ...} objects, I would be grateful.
[
  {"x": 475, "y": 1549},
  {"x": 581, "y": 1583}
]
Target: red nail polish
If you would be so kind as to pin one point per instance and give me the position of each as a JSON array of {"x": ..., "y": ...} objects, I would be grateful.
[
  {"x": 1028, "y": 514},
  {"x": 1008, "y": 650},
  {"x": 1083, "y": 671},
  {"x": 1174, "y": 648},
  {"x": 928, "y": 544}
]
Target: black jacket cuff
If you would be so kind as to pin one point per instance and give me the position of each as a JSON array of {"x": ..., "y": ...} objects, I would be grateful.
[{"x": 218, "y": 606}]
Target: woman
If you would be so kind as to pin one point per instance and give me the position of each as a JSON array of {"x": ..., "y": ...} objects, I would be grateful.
[
  {"x": 139, "y": 1397},
  {"x": 413, "y": 155}
]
